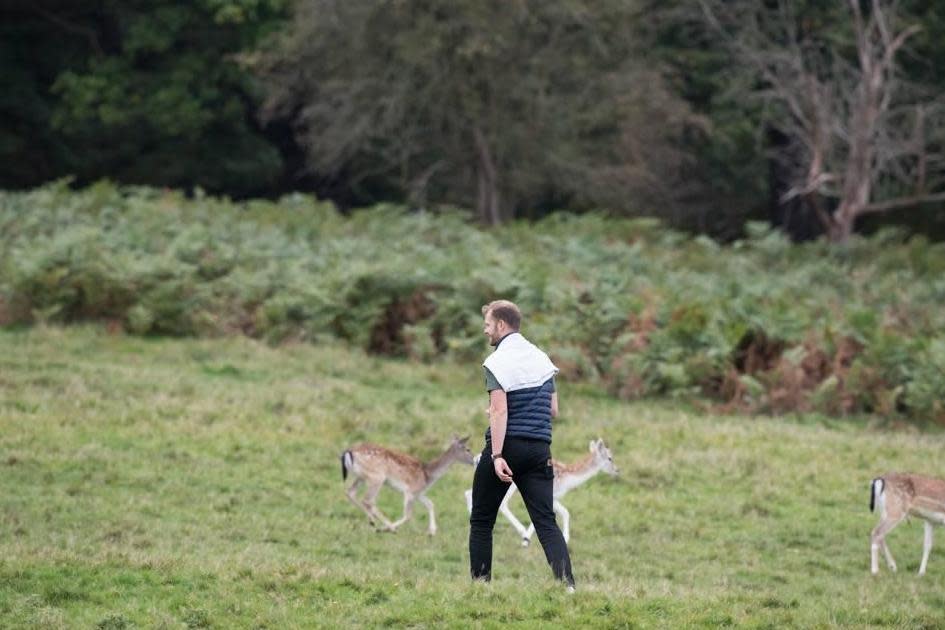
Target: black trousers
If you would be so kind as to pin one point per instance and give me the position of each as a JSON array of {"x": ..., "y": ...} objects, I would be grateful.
[{"x": 530, "y": 461}]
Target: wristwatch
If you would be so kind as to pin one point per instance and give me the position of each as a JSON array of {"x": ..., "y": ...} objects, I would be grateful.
[{"x": 496, "y": 456}]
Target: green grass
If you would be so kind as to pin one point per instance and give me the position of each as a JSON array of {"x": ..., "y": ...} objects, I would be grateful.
[{"x": 181, "y": 483}]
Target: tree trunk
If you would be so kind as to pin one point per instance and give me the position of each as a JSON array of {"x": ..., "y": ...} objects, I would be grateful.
[
  {"x": 487, "y": 200},
  {"x": 855, "y": 199},
  {"x": 841, "y": 226},
  {"x": 856, "y": 196},
  {"x": 858, "y": 175}
]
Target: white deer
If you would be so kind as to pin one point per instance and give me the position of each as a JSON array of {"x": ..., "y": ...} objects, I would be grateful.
[
  {"x": 898, "y": 495},
  {"x": 373, "y": 465},
  {"x": 566, "y": 478}
]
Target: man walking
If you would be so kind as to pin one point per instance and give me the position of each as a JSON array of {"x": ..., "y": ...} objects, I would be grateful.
[{"x": 522, "y": 402}]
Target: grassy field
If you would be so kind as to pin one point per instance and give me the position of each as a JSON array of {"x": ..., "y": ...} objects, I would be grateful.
[{"x": 180, "y": 483}]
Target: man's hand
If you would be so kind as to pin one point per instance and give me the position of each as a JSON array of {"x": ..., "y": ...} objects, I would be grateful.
[{"x": 502, "y": 470}]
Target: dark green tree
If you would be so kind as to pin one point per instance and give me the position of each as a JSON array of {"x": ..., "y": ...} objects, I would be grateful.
[
  {"x": 139, "y": 91},
  {"x": 731, "y": 172},
  {"x": 491, "y": 104}
]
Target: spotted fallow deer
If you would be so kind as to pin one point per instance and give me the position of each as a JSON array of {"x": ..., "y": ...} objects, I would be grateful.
[
  {"x": 567, "y": 477},
  {"x": 373, "y": 465},
  {"x": 898, "y": 495}
]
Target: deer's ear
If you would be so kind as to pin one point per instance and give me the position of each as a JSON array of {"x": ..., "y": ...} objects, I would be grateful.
[
  {"x": 465, "y": 439},
  {"x": 592, "y": 445}
]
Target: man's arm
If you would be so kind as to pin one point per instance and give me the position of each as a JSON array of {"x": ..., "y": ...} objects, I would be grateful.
[{"x": 498, "y": 421}]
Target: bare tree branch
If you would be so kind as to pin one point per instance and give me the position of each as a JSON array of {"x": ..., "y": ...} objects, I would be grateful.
[
  {"x": 904, "y": 202},
  {"x": 856, "y": 132}
]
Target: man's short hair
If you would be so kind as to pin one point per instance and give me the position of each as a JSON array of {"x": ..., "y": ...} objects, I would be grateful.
[{"x": 505, "y": 311}]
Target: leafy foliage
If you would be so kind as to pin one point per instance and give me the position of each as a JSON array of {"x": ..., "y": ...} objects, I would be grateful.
[
  {"x": 490, "y": 105},
  {"x": 143, "y": 92},
  {"x": 646, "y": 311}
]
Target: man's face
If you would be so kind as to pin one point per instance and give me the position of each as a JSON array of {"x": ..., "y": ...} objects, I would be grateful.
[{"x": 494, "y": 329}]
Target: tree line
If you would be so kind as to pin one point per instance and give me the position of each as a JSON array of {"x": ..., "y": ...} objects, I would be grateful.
[{"x": 821, "y": 117}]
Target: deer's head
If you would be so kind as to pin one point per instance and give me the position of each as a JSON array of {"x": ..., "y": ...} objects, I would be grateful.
[
  {"x": 459, "y": 450},
  {"x": 603, "y": 457}
]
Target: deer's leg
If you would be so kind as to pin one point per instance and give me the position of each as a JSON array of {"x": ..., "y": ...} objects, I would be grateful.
[
  {"x": 888, "y": 554},
  {"x": 408, "y": 511},
  {"x": 352, "y": 491},
  {"x": 926, "y": 547},
  {"x": 878, "y": 539},
  {"x": 468, "y": 495},
  {"x": 509, "y": 515},
  {"x": 370, "y": 496},
  {"x": 352, "y": 494},
  {"x": 565, "y": 519},
  {"x": 527, "y": 536},
  {"x": 429, "y": 505}
]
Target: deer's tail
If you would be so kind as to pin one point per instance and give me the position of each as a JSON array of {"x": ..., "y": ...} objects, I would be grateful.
[
  {"x": 876, "y": 492},
  {"x": 347, "y": 459}
]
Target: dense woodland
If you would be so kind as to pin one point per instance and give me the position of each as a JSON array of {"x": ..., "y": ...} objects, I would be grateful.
[{"x": 819, "y": 117}]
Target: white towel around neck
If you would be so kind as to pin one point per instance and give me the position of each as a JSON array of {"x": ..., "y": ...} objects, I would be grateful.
[{"x": 519, "y": 364}]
